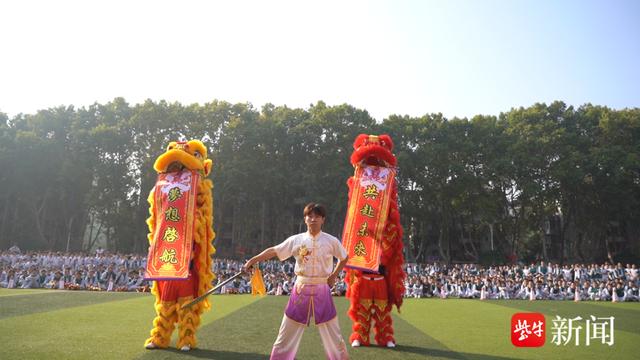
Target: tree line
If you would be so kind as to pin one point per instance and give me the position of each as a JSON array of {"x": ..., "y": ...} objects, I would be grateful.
[{"x": 543, "y": 182}]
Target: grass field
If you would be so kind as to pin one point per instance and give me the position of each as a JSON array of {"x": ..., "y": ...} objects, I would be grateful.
[{"x": 40, "y": 324}]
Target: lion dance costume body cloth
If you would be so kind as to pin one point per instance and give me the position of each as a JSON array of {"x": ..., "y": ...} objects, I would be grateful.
[
  {"x": 373, "y": 238},
  {"x": 180, "y": 237}
]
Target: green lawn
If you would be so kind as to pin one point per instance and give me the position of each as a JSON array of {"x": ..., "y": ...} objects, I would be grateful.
[{"x": 40, "y": 324}]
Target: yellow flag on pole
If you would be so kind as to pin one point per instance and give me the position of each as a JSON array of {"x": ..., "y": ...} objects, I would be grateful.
[{"x": 257, "y": 285}]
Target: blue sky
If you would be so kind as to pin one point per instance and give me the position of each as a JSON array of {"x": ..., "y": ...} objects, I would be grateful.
[{"x": 460, "y": 58}]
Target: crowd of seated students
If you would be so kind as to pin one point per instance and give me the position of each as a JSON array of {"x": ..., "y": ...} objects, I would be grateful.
[
  {"x": 72, "y": 271},
  {"x": 104, "y": 271},
  {"x": 537, "y": 281}
]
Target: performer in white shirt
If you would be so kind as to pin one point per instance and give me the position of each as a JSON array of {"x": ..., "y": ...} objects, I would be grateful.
[{"x": 314, "y": 251}]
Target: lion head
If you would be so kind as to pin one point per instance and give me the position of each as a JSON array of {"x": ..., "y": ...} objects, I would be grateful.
[
  {"x": 373, "y": 150},
  {"x": 191, "y": 155}
]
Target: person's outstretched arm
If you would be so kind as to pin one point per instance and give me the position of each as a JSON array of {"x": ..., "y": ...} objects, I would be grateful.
[{"x": 267, "y": 254}]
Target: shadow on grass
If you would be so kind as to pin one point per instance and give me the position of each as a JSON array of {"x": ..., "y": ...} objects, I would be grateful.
[
  {"x": 249, "y": 334},
  {"x": 34, "y": 303},
  {"x": 447, "y": 354},
  {"x": 172, "y": 353}
]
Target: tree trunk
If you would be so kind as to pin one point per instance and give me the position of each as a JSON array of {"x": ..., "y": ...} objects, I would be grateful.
[
  {"x": 424, "y": 238},
  {"x": 4, "y": 234},
  {"x": 69, "y": 232},
  {"x": 38, "y": 210},
  {"x": 94, "y": 240},
  {"x": 88, "y": 246},
  {"x": 234, "y": 228},
  {"x": 579, "y": 247},
  {"x": 444, "y": 234},
  {"x": 218, "y": 221},
  {"x": 264, "y": 211}
]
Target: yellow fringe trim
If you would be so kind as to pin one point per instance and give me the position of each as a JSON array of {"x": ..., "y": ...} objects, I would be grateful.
[{"x": 168, "y": 312}]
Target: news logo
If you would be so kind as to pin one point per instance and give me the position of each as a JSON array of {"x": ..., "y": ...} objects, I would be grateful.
[{"x": 529, "y": 330}]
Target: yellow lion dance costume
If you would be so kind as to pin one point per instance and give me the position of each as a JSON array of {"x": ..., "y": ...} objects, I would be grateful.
[{"x": 172, "y": 294}]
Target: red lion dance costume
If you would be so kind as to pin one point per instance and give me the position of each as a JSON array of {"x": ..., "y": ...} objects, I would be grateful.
[
  {"x": 373, "y": 289},
  {"x": 180, "y": 235}
]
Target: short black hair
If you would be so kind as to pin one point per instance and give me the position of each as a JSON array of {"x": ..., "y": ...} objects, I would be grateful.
[{"x": 315, "y": 208}]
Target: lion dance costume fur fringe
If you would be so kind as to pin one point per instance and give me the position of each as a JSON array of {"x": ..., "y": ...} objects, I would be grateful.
[
  {"x": 372, "y": 295},
  {"x": 171, "y": 294}
]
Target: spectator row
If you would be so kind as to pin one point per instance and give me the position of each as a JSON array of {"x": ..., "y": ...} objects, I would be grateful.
[{"x": 542, "y": 281}]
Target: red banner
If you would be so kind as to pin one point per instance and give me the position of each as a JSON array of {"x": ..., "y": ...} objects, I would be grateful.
[
  {"x": 175, "y": 211},
  {"x": 367, "y": 215}
]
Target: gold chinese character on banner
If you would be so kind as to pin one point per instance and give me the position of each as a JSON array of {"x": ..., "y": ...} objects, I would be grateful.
[
  {"x": 370, "y": 192},
  {"x": 169, "y": 256},
  {"x": 171, "y": 214},
  {"x": 170, "y": 234},
  {"x": 174, "y": 194},
  {"x": 367, "y": 210},
  {"x": 363, "y": 230},
  {"x": 360, "y": 249}
]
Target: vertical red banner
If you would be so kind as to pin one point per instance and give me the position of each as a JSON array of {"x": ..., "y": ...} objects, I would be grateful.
[
  {"x": 367, "y": 215},
  {"x": 175, "y": 211}
]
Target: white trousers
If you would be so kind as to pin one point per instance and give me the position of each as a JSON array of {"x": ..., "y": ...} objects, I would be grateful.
[{"x": 290, "y": 334}]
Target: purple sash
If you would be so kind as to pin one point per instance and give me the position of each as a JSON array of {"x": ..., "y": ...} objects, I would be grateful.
[{"x": 308, "y": 298}]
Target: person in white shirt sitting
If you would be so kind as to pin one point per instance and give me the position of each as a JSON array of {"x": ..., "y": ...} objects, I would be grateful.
[
  {"x": 417, "y": 289},
  {"x": 631, "y": 292},
  {"x": 475, "y": 289},
  {"x": 442, "y": 291},
  {"x": 604, "y": 293},
  {"x": 593, "y": 291},
  {"x": 502, "y": 291},
  {"x": 521, "y": 290},
  {"x": 632, "y": 272}
]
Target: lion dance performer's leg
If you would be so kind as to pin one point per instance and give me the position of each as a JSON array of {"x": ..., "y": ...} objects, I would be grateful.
[
  {"x": 164, "y": 323},
  {"x": 381, "y": 313},
  {"x": 188, "y": 322},
  {"x": 171, "y": 295},
  {"x": 201, "y": 277},
  {"x": 361, "y": 299},
  {"x": 371, "y": 305}
]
